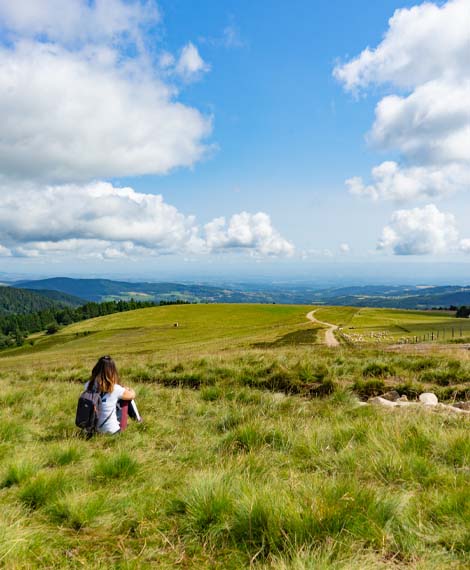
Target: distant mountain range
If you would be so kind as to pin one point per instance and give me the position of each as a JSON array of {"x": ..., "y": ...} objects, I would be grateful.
[
  {"x": 404, "y": 297},
  {"x": 105, "y": 290},
  {"x": 400, "y": 297}
]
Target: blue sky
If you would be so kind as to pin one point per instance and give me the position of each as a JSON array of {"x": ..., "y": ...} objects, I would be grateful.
[
  {"x": 228, "y": 110},
  {"x": 288, "y": 135}
]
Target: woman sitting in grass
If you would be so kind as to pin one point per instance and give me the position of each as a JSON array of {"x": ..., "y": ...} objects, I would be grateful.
[{"x": 106, "y": 378}]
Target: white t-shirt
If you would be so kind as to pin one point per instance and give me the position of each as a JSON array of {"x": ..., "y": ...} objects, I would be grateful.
[{"x": 108, "y": 408}]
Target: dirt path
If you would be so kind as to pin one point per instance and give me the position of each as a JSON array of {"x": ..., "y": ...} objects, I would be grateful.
[{"x": 330, "y": 339}]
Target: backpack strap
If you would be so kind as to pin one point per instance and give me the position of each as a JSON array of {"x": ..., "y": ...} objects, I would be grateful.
[
  {"x": 102, "y": 424},
  {"x": 92, "y": 387}
]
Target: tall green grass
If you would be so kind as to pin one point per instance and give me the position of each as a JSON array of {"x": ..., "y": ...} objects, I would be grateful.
[
  {"x": 248, "y": 457},
  {"x": 231, "y": 476}
]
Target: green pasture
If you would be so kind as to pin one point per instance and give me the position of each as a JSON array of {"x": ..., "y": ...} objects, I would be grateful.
[
  {"x": 364, "y": 325},
  {"x": 254, "y": 452},
  {"x": 202, "y": 329},
  {"x": 223, "y": 329}
]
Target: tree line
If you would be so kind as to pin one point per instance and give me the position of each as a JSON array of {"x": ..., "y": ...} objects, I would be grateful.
[
  {"x": 14, "y": 329},
  {"x": 463, "y": 312}
]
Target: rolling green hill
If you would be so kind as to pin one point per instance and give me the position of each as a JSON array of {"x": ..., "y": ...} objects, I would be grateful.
[
  {"x": 210, "y": 329},
  {"x": 151, "y": 331}
]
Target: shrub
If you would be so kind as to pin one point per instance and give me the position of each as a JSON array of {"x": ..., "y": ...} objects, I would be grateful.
[
  {"x": 378, "y": 368},
  {"x": 12, "y": 431},
  {"x": 457, "y": 452},
  {"x": 258, "y": 524},
  {"x": 205, "y": 507},
  {"x": 16, "y": 473},
  {"x": 229, "y": 421},
  {"x": 308, "y": 373},
  {"x": 251, "y": 437},
  {"x": 453, "y": 394},
  {"x": 187, "y": 380},
  {"x": 323, "y": 388},
  {"x": 42, "y": 489},
  {"x": 64, "y": 456},
  {"x": 368, "y": 388},
  {"x": 417, "y": 364},
  {"x": 409, "y": 389},
  {"x": 441, "y": 377},
  {"x": 76, "y": 512},
  {"x": 211, "y": 393},
  {"x": 115, "y": 467},
  {"x": 52, "y": 328}
]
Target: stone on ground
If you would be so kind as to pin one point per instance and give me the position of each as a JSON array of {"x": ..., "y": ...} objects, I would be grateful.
[
  {"x": 392, "y": 395},
  {"x": 428, "y": 399},
  {"x": 462, "y": 406},
  {"x": 379, "y": 401}
]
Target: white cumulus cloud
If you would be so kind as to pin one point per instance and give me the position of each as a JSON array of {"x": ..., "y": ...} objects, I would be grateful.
[
  {"x": 422, "y": 42},
  {"x": 425, "y": 58},
  {"x": 246, "y": 231},
  {"x": 70, "y": 116},
  {"x": 99, "y": 219},
  {"x": 430, "y": 126},
  {"x": 190, "y": 64},
  {"x": 84, "y": 97},
  {"x": 420, "y": 231},
  {"x": 77, "y": 21},
  {"x": 391, "y": 181}
]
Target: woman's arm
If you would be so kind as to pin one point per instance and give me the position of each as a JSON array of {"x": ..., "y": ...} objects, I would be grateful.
[{"x": 129, "y": 394}]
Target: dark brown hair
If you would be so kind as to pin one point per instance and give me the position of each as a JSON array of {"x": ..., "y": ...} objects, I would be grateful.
[{"x": 105, "y": 374}]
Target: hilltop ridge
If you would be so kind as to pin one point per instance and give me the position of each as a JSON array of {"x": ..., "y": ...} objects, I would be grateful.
[{"x": 385, "y": 296}]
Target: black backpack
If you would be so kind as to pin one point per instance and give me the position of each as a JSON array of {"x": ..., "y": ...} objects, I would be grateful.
[{"x": 88, "y": 410}]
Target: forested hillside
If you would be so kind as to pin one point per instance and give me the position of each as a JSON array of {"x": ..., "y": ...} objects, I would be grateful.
[
  {"x": 22, "y": 301},
  {"x": 14, "y": 328},
  {"x": 62, "y": 298}
]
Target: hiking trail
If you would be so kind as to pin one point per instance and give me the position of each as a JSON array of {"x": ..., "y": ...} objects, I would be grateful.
[{"x": 330, "y": 339}]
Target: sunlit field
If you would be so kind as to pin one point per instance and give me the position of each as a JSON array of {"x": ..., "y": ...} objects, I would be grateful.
[
  {"x": 254, "y": 451},
  {"x": 364, "y": 325}
]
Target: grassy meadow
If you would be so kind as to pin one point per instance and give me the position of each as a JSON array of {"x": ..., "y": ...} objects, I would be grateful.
[
  {"x": 368, "y": 325},
  {"x": 254, "y": 452}
]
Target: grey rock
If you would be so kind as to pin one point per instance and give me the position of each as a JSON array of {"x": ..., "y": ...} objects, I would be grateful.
[
  {"x": 428, "y": 399},
  {"x": 452, "y": 409},
  {"x": 391, "y": 395},
  {"x": 379, "y": 401}
]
